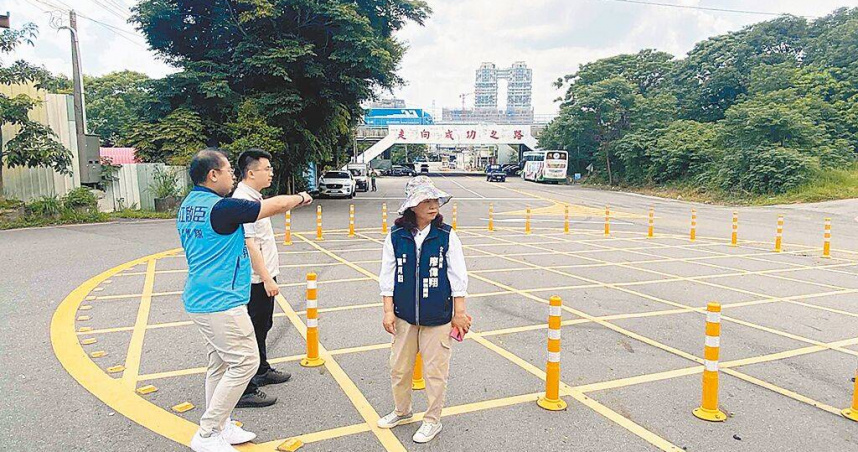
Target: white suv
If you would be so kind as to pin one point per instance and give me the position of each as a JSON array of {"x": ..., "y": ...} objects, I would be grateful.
[{"x": 337, "y": 183}]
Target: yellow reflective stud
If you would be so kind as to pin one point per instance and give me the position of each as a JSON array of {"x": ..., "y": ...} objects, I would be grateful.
[
  {"x": 182, "y": 407},
  {"x": 290, "y": 445},
  {"x": 148, "y": 389}
]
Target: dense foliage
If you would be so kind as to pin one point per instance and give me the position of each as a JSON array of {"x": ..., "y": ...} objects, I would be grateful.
[
  {"x": 287, "y": 75},
  {"x": 758, "y": 111}
]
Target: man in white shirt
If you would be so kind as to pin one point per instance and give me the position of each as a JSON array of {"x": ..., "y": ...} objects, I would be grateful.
[{"x": 256, "y": 175}]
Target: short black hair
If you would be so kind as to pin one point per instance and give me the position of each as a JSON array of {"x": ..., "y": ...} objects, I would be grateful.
[
  {"x": 248, "y": 158},
  {"x": 205, "y": 161}
]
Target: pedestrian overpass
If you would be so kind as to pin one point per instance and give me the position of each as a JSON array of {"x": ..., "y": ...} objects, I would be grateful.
[{"x": 450, "y": 135}]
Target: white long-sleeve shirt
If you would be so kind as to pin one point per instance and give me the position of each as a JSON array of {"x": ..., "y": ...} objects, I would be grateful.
[{"x": 457, "y": 273}]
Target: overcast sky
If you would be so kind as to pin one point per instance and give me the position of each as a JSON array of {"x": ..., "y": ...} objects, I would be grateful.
[{"x": 553, "y": 37}]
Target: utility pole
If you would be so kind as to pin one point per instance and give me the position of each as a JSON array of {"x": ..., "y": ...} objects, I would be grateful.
[{"x": 79, "y": 107}]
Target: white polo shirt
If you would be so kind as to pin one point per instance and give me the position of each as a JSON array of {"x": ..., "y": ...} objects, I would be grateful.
[{"x": 262, "y": 231}]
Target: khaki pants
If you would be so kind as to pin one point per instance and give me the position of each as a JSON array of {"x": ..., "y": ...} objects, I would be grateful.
[
  {"x": 233, "y": 361},
  {"x": 433, "y": 343}
]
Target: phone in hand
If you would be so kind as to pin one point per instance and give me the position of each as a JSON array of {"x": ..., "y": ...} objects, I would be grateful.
[{"x": 456, "y": 334}]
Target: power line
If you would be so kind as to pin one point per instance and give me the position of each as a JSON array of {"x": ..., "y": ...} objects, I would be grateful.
[
  {"x": 118, "y": 32},
  {"x": 113, "y": 10},
  {"x": 703, "y": 8}
]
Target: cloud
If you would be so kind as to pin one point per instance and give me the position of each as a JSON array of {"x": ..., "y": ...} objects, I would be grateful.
[
  {"x": 102, "y": 49},
  {"x": 554, "y": 37}
]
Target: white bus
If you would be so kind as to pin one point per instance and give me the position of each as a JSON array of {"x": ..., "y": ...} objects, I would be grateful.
[{"x": 545, "y": 166}]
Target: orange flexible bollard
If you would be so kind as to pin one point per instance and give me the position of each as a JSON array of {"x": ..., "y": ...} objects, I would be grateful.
[
  {"x": 826, "y": 244},
  {"x": 852, "y": 412},
  {"x": 734, "y": 237},
  {"x": 651, "y": 229},
  {"x": 351, "y": 220},
  {"x": 607, "y": 221},
  {"x": 319, "y": 223},
  {"x": 566, "y": 219},
  {"x": 693, "y": 234},
  {"x": 780, "y": 234},
  {"x": 708, "y": 410},
  {"x": 384, "y": 218},
  {"x": 527, "y": 222},
  {"x": 551, "y": 400},
  {"x": 417, "y": 381},
  {"x": 287, "y": 238},
  {"x": 312, "y": 359}
]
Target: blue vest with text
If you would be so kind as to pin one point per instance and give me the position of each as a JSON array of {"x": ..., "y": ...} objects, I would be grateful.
[
  {"x": 218, "y": 265},
  {"x": 421, "y": 293}
]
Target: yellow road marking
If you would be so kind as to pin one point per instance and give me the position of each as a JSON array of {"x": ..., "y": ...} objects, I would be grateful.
[
  {"x": 622, "y": 287},
  {"x": 608, "y": 413},
  {"x": 135, "y": 347},
  {"x": 107, "y": 389},
  {"x": 318, "y": 436},
  {"x": 367, "y": 412}
]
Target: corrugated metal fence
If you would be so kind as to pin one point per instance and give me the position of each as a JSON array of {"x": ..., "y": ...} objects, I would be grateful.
[
  {"x": 55, "y": 111},
  {"x": 133, "y": 187}
]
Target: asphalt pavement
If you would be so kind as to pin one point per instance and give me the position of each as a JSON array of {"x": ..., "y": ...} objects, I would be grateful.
[{"x": 633, "y": 330}]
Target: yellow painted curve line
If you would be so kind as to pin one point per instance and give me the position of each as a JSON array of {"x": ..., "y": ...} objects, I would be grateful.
[
  {"x": 557, "y": 207},
  {"x": 107, "y": 389}
]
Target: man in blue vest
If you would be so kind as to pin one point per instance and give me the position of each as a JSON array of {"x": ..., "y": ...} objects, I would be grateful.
[{"x": 218, "y": 287}]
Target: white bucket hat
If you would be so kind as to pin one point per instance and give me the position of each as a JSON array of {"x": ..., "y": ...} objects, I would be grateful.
[{"x": 419, "y": 189}]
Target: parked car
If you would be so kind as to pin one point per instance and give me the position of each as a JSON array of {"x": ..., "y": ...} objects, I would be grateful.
[
  {"x": 513, "y": 169},
  {"x": 360, "y": 171},
  {"x": 399, "y": 170},
  {"x": 424, "y": 168},
  {"x": 494, "y": 173},
  {"x": 337, "y": 184}
]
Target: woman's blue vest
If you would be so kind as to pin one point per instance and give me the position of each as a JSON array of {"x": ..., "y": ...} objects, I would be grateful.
[{"x": 421, "y": 293}]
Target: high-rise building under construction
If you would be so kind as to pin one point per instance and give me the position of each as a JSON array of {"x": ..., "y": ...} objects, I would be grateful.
[{"x": 518, "y": 103}]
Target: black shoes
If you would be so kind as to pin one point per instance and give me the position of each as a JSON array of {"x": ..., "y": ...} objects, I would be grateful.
[
  {"x": 272, "y": 377},
  {"x": 257, "y": 399},
  {"x": 260, "y": 399}
]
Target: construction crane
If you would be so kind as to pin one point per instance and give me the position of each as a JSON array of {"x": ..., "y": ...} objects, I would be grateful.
[{"x": 463, "y": 96}]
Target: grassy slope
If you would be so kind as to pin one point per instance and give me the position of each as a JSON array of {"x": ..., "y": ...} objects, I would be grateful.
[{"x": 827, "y": 186}]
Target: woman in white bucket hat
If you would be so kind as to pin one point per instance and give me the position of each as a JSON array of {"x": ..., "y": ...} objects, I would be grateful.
[{"x": 423, "y": 283}]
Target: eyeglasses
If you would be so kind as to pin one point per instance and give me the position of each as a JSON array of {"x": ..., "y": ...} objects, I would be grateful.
[{"x": 228, "y": 170}]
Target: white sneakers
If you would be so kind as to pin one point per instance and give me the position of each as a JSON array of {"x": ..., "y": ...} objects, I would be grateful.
[
  {"x": 214, "y": 443},
  {"x": 233, "y": 434},
  {"x": 222, "y": 442},
  {"x": 426, "y": 432},
  {"x": 392, "y": 420}
]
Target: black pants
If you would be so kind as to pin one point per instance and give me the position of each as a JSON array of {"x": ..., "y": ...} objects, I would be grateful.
[
  {"x": 373, "y": 185},
  {"x": 261, "y": 309}
]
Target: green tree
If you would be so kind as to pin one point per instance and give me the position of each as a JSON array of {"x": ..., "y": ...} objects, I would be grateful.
[
  {"x": 172, "y": 140},
  {"x": 307, "y": 65},
  {"x": 717, "y": 71},
  {"x": 114, "y": 103},
  {"x": 34, "y": 144},
  {"x": 755, "y": 111}
]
